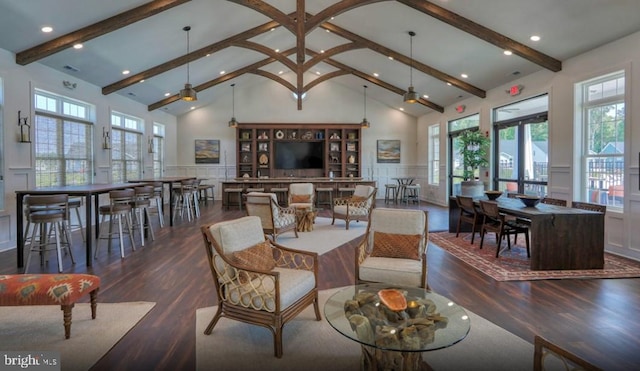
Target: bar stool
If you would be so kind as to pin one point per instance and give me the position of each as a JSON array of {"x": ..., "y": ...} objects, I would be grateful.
[
  {"x": 390, "y": 193},
  {"x": 233, "y": 191},
  {"x": 119, "y": 207},
  {"x": 140, "y": 208},
  {"x": 183, "y": 197},
  {"x": 158, "y": 189},
  {"x": 345, "y": 190},
  {"x": 282, "y": 194},
  {"x": 327, "y": 200},
  {"x": 204, "y": 190},
  {"x": 48, "y": 214},
  {"x": 75, "y": 204},
  {"x": 249, "y": 190},
  {"x": 412, "y": 193}
]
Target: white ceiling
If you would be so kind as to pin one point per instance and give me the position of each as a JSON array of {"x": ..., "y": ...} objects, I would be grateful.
[{"x": 567, "y": 28}]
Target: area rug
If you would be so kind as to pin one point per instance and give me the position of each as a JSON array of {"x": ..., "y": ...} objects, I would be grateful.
[
  {"x": 314, "y": 345},
  {"x": 324, "y": 237},
  {"x": 513, "y": 265},
  {"x": 40, "y": 328}
]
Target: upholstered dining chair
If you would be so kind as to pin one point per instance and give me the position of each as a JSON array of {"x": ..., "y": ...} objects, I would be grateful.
[
  {"x": 495, "y": 221},
  {"x": 275, "y": 219},
  {"x": 258, "y": 281},
  {"x": 550, "y": 356},
  {"x": 355, "y": 207},
  {"x": 394, "y": 248},
  {"x": 301, "y": 195},
  {"x": 469, "y": 213}
]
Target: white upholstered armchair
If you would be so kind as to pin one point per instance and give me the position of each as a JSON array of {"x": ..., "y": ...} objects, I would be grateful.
[
  {"x": 275, "y": 219},
  {"x": 355, "y": 207},
  {"x": 258, "y": 281},
  {"x": 394, "y": 249},
  {"x": 301, "y": 195}
]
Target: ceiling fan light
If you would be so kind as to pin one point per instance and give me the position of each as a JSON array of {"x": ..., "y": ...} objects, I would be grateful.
[
  {"x": 188, "y": 93},
  {"x": 411, "y": 96}
]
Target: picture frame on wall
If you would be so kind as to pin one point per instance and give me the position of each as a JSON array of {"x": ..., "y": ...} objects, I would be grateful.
[
  {"x": 388, "y": 151},
  {"x": 207, "y": 151}
]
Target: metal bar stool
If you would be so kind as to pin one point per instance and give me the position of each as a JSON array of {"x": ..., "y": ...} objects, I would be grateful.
[
  {"x": 75, "y": 204},
  {"x": 282, "y": 193},
  {"x": 140, "y": 208},
  {"x": 158, "y": 189},
  {"x": 204, "y": 190},
  {"x": 233, "y": 191},
  {"x": 328, "y": 199},
  {"x": 390, "y": 193},
  {"x": 183, "y": 199},
  {"x": 345, "y": 190},
  {"x": 249, "y": 190},
  {"x": 412, "y": 193},
  {"x": 119, "y": 207},
  {"x": 48, "y": 214}
]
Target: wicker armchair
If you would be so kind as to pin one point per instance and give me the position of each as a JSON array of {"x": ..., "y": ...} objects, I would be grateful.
[
  {"x": 275, "y": 219},
  {"x": 301, "y": 195},
  {"x": 394, "y": 249},
  {"x": 549, "y": 356},
  {"x": 355, "y": 207},
  {"x": 258, "y": 281}
]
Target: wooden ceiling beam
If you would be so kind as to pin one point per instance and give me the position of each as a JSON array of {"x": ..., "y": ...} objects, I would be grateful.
[
  {"x": 334, "y": 10},
  {"x": 200, "y": 53},
  {"x": 484, "y": 33},
  {"x": 267, "y": 51},
  {"x": 269, "y": 11},
  {"x": 329, "y": 53},
  {"x": 95, "y": 30},
  {"x": 406, "y": 60}
]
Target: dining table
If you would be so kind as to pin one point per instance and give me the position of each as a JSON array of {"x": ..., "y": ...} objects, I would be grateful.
[
  {"x": 87, "y": 191},
  {"x": 167, "y": 180}
]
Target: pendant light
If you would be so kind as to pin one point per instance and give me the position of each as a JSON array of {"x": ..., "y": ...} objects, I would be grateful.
[
  {"x": 411, "y": 96},
  {"x": 188, "y": 93},
  {"x": 233, "y": 123},
  {"x": 365, "y": 124}
]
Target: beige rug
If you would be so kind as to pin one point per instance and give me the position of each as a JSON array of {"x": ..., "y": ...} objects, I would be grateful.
[
  {"x": 312, "y": 345},
  {"x": 324, "y": 237},
  {"x": 40, "y": 328}
]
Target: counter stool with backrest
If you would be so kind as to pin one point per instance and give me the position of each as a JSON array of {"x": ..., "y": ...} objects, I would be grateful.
[
  {"x": 48, "y": 215},
  {"x": 345, "y": 191},
  {"x": 412, "y": 193},
  {"x": 206, "y": 192},
  {"x": 119, "y": 208},
  {"x": 140, "y": 208},
  {"x": 157, "y": 199},
  {"x": 183, "y": 199},
  {"x": 390, "y": 193},
  {"x": 75, "y": 204},
  {"x": 228, "y": 192},
  {"x": 282, "y": 193},
  {"x": 328, "y": 196}
]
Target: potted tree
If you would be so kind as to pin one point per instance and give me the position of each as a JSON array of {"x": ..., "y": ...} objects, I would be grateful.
[{"x": 474, "y": 147}]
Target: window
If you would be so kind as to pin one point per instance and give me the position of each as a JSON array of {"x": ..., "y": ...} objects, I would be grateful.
[
  {"x": 126, "y": 147},
  {"x": 456, "y": 127},
  {"x": 63, "y": 140},
  {"x": 601, "y": 102},
  {"x": 1, "y": 145},
  {"x": 434, "y": 154},
  {"x": 158, "y": 149}
]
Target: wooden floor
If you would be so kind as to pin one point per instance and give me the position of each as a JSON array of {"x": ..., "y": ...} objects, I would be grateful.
[{"x": 597, "y": 319}]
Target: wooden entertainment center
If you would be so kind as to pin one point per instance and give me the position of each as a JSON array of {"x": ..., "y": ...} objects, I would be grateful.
[{"x": 256, "y": 156}]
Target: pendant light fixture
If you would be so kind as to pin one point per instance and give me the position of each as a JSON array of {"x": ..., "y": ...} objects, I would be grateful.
[
  {"x": 233, "y": 123},
  {"x": 411, "y": 96},
  {"x": 188, "y": 93},
  {"x": 365, "y": 124}
]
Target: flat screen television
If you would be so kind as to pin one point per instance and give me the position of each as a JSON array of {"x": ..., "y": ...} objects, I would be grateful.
[{"x": 299, "y": 155}]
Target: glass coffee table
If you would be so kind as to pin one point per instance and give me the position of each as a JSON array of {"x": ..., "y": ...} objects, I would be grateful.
[{"x": 395, "y": 339}]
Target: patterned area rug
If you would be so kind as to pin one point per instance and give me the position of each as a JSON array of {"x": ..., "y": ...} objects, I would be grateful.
[{"x": 513, "y": 264}]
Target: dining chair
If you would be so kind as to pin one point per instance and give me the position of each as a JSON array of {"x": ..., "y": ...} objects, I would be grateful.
[
  {"x": 589, "y": 206},
  {"x": 554, "y": 201},
  {"x": 495, "y": 221},
  {"x": 469, "y": 213}
]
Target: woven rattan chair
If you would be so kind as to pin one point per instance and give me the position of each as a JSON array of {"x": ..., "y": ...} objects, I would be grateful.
[
  {"x": 495, "y": 221},
  {"x": 469, "y": 213},
  {"x": 275, "y": 219},
  {"x": 248, "y": 291},
  {"x": 549, "y": 356},
  {"x": 355, "y": 207},
  {"x": 301, "y": 195},
  {"x": 394, "y": 249}
]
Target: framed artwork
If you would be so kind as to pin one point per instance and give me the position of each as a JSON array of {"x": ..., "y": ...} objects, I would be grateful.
[
  {"x": 245, "y": 147},
  {"x": 263, "y": 147},
  {"x": 351, "y": 147},
  {"x": 207, "y": 151},
  {"x": 388, "y": 151},
  {"x": 334, "y": 147}
]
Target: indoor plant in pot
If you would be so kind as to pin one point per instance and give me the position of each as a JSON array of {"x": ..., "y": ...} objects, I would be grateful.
[{"x": 474, "y": 147}]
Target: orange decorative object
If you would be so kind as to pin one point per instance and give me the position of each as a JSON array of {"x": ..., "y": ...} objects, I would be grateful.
[{"x": 393, "y": 299}]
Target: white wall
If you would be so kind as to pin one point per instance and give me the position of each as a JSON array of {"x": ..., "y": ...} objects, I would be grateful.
[
  {"x": 269, "y": 102},
  {"x": 622, "y": 235},
  {"x": 18, "y": 84}
]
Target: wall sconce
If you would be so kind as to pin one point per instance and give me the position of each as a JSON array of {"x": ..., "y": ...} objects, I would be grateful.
[
  {"x": 151, "y": 147},
  {"x": 106, "y": 140},
  {"x": 25, "y": 129}
]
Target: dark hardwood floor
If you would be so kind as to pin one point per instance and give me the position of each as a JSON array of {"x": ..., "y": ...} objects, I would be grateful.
[{"x": 597, "y": 319}]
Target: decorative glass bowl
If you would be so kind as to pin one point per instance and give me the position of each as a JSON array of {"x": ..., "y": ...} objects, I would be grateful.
[
  {"x": 492, "y": 195},
  {"x": 529, "y": 201}
]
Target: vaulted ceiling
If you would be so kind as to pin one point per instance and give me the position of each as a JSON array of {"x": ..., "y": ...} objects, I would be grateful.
[{"x": 300, "y": 44}]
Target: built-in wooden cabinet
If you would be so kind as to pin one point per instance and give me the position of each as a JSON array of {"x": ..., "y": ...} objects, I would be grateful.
[{"x": 340, "y": 143}]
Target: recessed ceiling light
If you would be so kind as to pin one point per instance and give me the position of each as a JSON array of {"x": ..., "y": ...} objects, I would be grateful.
[
  {"x": 208, "y": 54},
  {"x": 46, "y": 29},
  {"x": 322, "y": 51},
  {"x": 332, "y": 18},
  {"x": 167, "y": 94},
  {"x": 222, "y": 72},
  {"x": 280, "y": 72},
  {"x": 425, "y": 96},
  {"x": 273, "y": 29},
  {"x": 448, "y": 84},
  {"x": 142, "y": 80},
  {"x": 535, "y": 38},
  {"x": 390, "y": 58},
  {"x": 193, "y": 107},
  {"x": 277, "y": 50},
  {"x": 328, "y": 31},
  {"x": 376, "y": 74},
  {"x": 464, "y": 75},
  {"x": 126, "y": 72},
  {"x": 77, "y": 46},
  {"x": 401, "y": 109},
  {"x": 317, "y": 72},
  {"x": 507, "y": 52}
]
